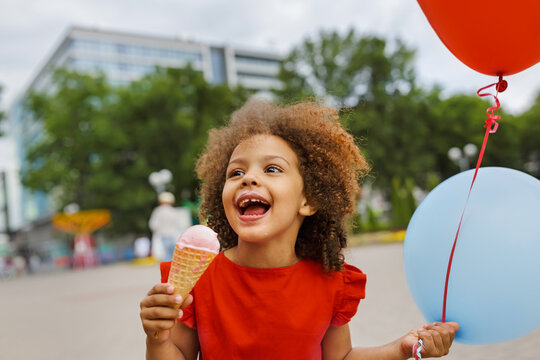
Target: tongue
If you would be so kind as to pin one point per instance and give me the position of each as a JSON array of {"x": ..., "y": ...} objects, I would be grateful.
[{"x": 255, "y": 210}]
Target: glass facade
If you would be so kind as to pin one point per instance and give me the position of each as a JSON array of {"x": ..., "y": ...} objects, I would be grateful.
[
  {"x": 106, "y": 47},
  {"x": 219, "y": 71},
  {"x": 125, "y": 61},
  {"x": 108, "y": 66}
]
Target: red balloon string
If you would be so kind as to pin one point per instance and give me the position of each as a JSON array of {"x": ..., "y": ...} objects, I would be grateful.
[{"x": 491, "y": 127}]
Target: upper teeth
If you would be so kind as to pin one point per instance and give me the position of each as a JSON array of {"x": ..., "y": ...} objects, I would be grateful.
[{"x": 246, "y": 202}]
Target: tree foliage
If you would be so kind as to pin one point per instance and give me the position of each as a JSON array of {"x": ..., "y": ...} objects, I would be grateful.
[
  {"x": 529, "y": 142},
  {"x": 100, "y": 144},
  {"x": 345, "y": 69},
  {"x": 62, "y": 157},
  {"x": 373, "y": 82},
  {"x": 405, "y": 131}
]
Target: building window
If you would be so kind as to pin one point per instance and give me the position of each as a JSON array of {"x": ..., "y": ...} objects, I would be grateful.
[
  {"x": 244, "y": 59},
  {"x": 219, "y": 73},
  {"x": 245, "y": 75}
]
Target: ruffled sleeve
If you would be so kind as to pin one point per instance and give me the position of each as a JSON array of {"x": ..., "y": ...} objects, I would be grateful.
[
  {"x": 354, "y": 289},
  {"x": 189, "y": 317},
  {"x": 165, "y": 268}
]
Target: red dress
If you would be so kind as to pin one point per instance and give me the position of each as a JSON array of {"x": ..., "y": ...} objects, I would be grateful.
[{"x": 282, "y": 313}]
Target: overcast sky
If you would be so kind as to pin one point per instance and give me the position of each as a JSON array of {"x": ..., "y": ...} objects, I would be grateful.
[{"x": 31, "y": 29}]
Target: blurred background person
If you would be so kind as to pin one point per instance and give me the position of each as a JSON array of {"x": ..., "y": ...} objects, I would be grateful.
[
  {"x": 166, "y": 225},
  {"x": 141, "y": 246}
]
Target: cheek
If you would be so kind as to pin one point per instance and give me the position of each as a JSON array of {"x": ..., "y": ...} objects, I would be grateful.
[{"x": 227, "y": 198}]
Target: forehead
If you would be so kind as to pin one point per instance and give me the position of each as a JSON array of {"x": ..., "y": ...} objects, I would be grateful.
[{"x": 265, "y": 145}]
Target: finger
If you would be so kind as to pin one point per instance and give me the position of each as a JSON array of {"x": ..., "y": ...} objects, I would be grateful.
[
  {"x": 163, "y": 288},
  {"x": 429, "y": 343},
  {"x": 439, "y": 346},
  {"x": 450, "y": 326},
  {"x": 159, "y": 313},
  {"x": 453, "y": 325},
  {"x": 188, "y": 301},
  {"x": 446, "y": 332},
  {"x": 162, "y": 300},
  {"x": 152, "y": 326}
]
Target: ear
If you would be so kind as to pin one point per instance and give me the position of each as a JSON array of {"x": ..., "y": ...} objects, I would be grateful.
[{"x": 306, "y": 209}]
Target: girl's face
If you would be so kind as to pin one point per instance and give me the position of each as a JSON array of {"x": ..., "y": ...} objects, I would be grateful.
[{"x": 263, "y": 194}]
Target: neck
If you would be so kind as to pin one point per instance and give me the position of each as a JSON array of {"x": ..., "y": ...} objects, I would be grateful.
[{"x": 262, "y": 256}]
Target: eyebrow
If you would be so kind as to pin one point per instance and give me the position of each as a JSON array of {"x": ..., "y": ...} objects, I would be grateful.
[{"x": 265, "y": 158}]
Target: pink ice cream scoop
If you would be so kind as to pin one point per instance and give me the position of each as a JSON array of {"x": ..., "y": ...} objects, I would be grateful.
[{"x": 199, "y": 237}]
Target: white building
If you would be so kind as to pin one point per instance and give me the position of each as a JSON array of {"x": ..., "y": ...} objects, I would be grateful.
[{"x": 125, "y": 57}]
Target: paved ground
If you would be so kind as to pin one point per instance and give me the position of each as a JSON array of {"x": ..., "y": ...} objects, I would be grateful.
[{"x": 93, "y": 314}]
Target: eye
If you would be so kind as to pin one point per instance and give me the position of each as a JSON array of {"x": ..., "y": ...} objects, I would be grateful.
[
  {"x": 235, "y": 173},
  {"x": 273, "y": 169}
]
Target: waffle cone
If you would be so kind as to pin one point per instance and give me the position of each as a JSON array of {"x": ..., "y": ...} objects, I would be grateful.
[{"x": 187, "y": 266}]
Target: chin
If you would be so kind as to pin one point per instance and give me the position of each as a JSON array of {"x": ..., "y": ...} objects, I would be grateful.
[{"x": 251, "y": 236}]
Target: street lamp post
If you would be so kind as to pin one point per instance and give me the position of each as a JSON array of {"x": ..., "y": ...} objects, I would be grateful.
[
  {"x": 462, "y": 157},
  {"x": 159, "y": 179},
  {"x": 7, "y": 229}
]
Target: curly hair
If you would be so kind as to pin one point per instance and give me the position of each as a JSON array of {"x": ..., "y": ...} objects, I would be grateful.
[{"x": 330, "y": 163}]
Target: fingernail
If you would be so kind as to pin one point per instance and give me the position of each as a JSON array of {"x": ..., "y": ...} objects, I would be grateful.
[
  {"x": 180, "y": 313},
  {"x": 170, "y": 288},
  {"x": 178, "y": 299}
]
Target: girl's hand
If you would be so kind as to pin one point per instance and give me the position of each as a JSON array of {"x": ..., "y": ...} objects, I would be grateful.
[
  {"x": 159, "y": 311},
  {"x": 437, "y": 338}
]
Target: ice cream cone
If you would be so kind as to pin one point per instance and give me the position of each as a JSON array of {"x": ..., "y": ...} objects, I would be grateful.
[
  {"x": 187, "y": 266},
  {"x": 194, "y": 251}
]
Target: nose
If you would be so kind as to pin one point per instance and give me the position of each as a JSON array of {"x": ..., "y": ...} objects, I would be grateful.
[{"x": 249, "y": 179}]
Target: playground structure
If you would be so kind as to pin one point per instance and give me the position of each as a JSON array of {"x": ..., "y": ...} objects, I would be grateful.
[{"x": 81, "y": 225}]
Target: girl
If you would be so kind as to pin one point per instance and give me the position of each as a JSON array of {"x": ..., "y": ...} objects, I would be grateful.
[{"x": 277, "y": 184}]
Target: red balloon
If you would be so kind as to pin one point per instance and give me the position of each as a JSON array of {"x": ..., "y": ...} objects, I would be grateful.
[{"x": 494, "y": 37}]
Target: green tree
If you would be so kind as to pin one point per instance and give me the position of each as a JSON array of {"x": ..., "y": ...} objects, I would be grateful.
[
  {"x": 61, "y": 159},
  {"x": 99, "y": 144},
  {"x": 345, "y": 69},
  {"x": 403, "y": 202},
  {"x": 405, "y": 131},
  {"x": 460, "y": 120},
  {"x": 160, "y": 121},
  {"x": 529, "y": 148},
  {"x": 395, "y": 137},
  {"x": 375, "y": 88}
]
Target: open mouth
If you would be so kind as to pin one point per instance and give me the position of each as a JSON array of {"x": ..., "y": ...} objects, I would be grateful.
[{"x": 251, "y": 206}]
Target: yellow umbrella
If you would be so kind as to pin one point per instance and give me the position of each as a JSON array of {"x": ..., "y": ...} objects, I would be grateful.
[{"x": 82, "y": 222}]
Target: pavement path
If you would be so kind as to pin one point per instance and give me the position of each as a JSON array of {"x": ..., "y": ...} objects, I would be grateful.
[{"x": 94, "y": 314}]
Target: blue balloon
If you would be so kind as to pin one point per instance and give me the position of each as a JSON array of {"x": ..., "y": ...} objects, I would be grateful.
[{"x": 494, "y": 283}]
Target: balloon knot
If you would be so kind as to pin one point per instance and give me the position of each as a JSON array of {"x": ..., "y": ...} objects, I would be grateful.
[{"x": 501, "y": 84}]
